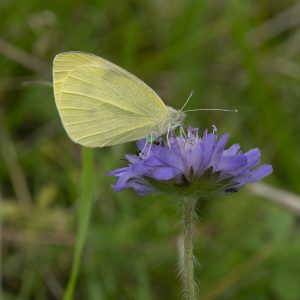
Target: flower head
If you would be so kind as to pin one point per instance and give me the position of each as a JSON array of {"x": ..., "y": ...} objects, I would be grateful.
[{"x": 190, "y": 164}]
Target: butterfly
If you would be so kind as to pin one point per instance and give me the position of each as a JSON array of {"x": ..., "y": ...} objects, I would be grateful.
[{"x": 101, "y": 104}]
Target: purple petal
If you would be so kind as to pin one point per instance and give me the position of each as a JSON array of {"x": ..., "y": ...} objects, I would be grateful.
[
  {"x": 154, "y": 161},
  {"x": 165, "y": 173},
  {"x": 207, "y": 146},
  {"x": 147, "y": 149},
  {"x": 143, "y": 190},
  {"x": 140, "y": 187},
  {"x": 219, "y": 149},
  {"x": 194, "y": 159},
  {"x": 231, "y": 150},
  {"x": 140, "y": 168},
  {"x": 257, "y": 174},
  {"x": 173, "y": 157},
  {"x": 233, "y": 165},
  {"x": 253, "y": 157},
  {"x": 140, "y": 144},
  {"x": 132, "y": 158},
  {"x": 118, "y": 172},
  {"x": 122, "y": 181}
]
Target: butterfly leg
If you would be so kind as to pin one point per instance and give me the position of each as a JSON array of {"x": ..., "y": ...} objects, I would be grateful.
[
  {"x": 144, "y": 148},
  {"x": 171, "y": 129},
  {"x": 182, "y": 132},
  {"x": 151, "y": 141},
  {"x": 153, "y": 136},
  {"x": 168, "y": 134}
]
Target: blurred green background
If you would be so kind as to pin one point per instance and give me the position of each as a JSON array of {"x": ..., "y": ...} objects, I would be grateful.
[{"x": 232, "y": 54}]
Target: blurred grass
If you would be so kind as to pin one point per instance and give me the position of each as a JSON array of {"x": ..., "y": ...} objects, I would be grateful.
[{"x": 233, "y": 54}]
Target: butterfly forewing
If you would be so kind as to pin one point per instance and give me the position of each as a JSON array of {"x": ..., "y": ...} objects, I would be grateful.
[
  {"x": 63, "y": 64},
  {"x": 101, "y": 104}
]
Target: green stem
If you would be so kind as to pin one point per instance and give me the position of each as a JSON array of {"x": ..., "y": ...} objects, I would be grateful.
[
  {"x": 188, "y": 259},
  {"x": 84, "y": 211}
]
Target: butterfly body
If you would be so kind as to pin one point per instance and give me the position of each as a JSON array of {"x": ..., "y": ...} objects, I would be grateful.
[{"x": 101, "y": 104}]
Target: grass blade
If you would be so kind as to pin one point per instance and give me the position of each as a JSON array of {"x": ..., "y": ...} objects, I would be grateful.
[{"x": 85, "y": 204}]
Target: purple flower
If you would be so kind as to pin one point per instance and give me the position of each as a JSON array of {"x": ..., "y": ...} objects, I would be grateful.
[{"x": 190, "y": 165}]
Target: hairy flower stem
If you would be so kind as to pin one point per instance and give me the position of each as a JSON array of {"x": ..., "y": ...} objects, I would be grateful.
[{"x": 189, "y": 204}]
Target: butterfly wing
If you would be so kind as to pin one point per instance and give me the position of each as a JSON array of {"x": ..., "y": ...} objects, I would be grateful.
[
  {"x": 101, "y": 104},
  {"x": 63, "y": 64}
]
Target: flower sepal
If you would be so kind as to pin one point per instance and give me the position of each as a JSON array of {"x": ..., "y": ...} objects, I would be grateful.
[{"x": 207, "y": 186}]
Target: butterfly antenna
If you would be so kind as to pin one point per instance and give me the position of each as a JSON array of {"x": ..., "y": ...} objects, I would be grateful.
[
  {"x": 37, "y": 82},
  {"x": 213, "y": 109},
  {"x": 187, "y": 101}
]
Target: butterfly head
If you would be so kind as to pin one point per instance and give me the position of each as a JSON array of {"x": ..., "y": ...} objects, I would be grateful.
[{"x": 176, "y": 117}]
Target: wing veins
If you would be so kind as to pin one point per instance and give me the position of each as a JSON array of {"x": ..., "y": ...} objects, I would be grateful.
[
  {"x": 95, "y": 70},
  {"x": 88, "y": 136},
  {"x": 92, "y": 120},
  {"x": 101, "y": 100}
]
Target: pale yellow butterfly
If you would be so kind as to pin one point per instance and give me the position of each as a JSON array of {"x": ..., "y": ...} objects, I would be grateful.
[{"x": 101, "y": 104}]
